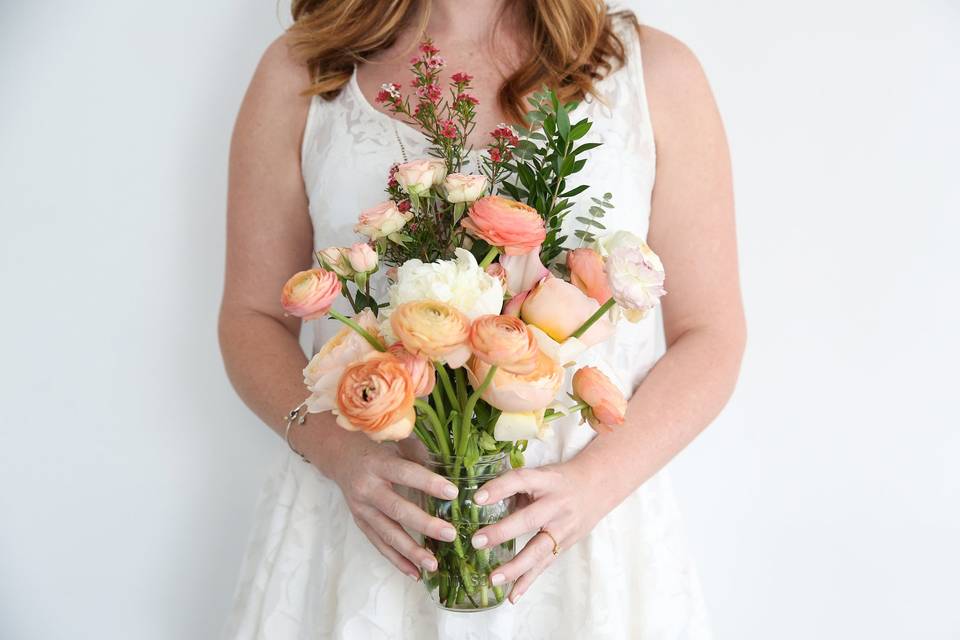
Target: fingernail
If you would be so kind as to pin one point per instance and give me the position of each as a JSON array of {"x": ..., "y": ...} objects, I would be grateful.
[
  {"x": 448, "y": 534},
  {"x": 479, "y": 541},
  {"x": 450, "y": 491},
  {"x": 480, "y": 497},
  {"x": 414, "y": 576},
  {"x": 497, "y": 579},
  {"x": 430, "y": 564},
  {"x": 515, "y": 596}
]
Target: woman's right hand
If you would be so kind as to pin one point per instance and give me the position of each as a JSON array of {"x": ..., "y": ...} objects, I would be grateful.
[{"x": 366, "y": 472}]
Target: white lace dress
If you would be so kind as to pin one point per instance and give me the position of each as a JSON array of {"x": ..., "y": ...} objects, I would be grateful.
[{"x": 309, "y": 573}]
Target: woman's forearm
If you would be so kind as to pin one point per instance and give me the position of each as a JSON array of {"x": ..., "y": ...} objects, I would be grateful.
[
  {"x": 265, "y": 364},
  {"x": 680, "y": 396}
]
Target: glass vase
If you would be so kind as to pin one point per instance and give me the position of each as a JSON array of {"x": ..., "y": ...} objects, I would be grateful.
[{"x": 462, "y": 579}]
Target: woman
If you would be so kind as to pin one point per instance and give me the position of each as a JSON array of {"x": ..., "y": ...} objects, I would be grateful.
[{"x": 330, "y": 557}]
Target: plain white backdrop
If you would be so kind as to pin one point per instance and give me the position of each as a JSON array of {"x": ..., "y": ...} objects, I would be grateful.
[{"x": 823, "y": 503}]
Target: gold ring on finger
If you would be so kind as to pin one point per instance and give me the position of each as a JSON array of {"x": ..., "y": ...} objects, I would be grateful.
[{"x": 556, "y": 545}]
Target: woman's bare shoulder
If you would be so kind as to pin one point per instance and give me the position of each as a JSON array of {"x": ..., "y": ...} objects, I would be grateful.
[
  {"x": 676, "y": 85},
  {"x": 274, "y": 102}
]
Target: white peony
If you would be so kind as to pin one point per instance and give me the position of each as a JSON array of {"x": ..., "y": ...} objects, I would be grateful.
[{"x": 460, "y": 283}]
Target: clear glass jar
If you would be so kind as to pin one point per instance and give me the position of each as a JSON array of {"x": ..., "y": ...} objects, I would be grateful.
[{"x": 462, "y": 579}]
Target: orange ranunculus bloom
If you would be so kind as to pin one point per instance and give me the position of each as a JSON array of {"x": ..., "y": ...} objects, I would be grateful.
[
  {"x": 505, "y": 341},
  {"x": 433, "y": 329},
  {"x": 375, "y": 396},
  {"x": 607, "y": 406},
  {"x": 310, "y": 294},
  {"x": 588, "y": 274},
  {"x": 513, "y": 226}
]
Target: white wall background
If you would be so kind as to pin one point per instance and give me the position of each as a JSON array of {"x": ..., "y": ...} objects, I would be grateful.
[{"x": 824, "y": 503}]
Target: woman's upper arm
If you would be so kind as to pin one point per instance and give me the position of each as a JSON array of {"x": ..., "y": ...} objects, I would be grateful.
[
  {"x": 269, "y": 235},
  {"x": 692, "y": 216}
]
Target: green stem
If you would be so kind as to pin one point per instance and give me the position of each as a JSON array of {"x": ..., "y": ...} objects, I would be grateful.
[
  {"x": 580, "y": 406},
  {"x": 376, "y": 344},
  {"x": 447, "y": 387},
  {"x": 592, "y": 319},
  {"x": 472, "y": 402},
  {"x": 487, "y": 259},
  {"x": 438, "y": 403},
  {"x": 435, "y": 423},
  {"x": 346, "y": 293}
]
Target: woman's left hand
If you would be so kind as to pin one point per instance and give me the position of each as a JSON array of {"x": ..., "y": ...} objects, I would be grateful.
[{"x": 557, "y": 498}]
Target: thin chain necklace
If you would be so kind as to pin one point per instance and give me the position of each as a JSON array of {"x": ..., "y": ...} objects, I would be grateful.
[{"x": 403, "y": 149}]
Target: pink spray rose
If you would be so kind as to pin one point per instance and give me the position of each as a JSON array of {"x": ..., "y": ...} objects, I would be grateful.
[
  {"x": 418, "y": 176},
  {"x": 381, "y": 221},
  {"x": 362, "y": 258}
]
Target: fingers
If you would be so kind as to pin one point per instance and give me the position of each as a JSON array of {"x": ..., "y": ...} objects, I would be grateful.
[
  {"x": 411, "y": 474},
  {"x": 395, "y": 507},
  {"x": 512, "y": 483},
  {"x": 387, "y": 551},
  {"x": 525, "y": 567},
  {"x": 395, "y": 537},
  {"x": 523, "y": 582},
  {"x": 530, "y": 518}
]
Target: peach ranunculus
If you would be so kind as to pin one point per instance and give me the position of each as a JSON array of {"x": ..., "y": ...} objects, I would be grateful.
[
  {"x": 512, "y": 392},
  {"x": 464, "y": 188},
  {"x": 310, "y": 294},
  {"x": 421, "y": 370},
  {"x": 418, "y": 176},
  {"x": 322, "y": 373},
  {"x": 558, "y": 308},
  {"x": 382, "y": 220},
  {"x": 505, "y": 341},
  {"x": 588, "y": 273},
  {"x": 510, "y": 225},
  {"x": 362, "y": 257},
  {"x": 433, "y": 329},
  {"x": 375, "y": 396},
  {"x": 606, "y": 405}
]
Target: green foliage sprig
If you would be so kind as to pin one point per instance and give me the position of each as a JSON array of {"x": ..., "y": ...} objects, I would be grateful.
[{"x": 544, "y": 160}]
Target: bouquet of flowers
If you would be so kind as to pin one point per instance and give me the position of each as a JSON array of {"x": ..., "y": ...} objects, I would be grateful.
[{"x": 487, "y": 308}]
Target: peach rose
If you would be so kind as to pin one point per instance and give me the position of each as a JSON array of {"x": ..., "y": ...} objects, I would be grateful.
[
  {"x": 420, "y": 369},
  {"x": 322, "y": 373},
  {"x": 558, "y": 308},
  {"x": 516, "y": 393},
  {"x": 524, "y": 271},
  {"x": 362, "y": 258},
  {"x": 375, "y": 396},
  {"x": 513, "y": 226},
  {"x": 310, "y": 294},
  {"x": 504, "y": 341},
  {"x": 606, "y": 404},
  {"x": 464, "y": 188},
  {"x": 588, "y": 274},
  {"x": 381, "y": 221},
  {"x": 433, "y": 329},
  {"x": 418, "y": 176}
]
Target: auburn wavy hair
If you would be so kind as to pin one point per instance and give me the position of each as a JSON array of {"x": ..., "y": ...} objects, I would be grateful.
[{"x": 573, "y": 43}]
